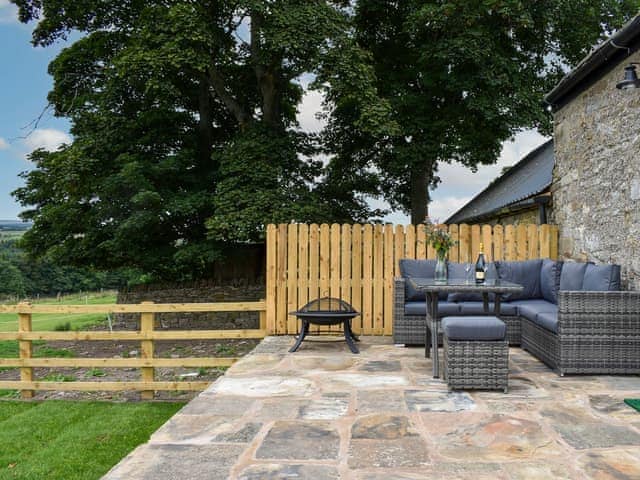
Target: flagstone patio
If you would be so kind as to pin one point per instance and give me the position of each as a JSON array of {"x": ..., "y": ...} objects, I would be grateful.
[{"x": 323, "y": 413}]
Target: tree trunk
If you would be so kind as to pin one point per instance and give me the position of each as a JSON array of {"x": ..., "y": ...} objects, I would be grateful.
[
  {"x": 420, "y": 180},
  {"x": 205, "y": 123},
  {"x": 270, "y": 91},
  {"x": 267, "y": 76}
]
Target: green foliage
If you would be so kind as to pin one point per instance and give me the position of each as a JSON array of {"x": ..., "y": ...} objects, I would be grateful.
[
  {"x": 438, "y": 237},
  {"x": 42, "y": 439},
  {"x": 185, "y": 136},
  {"x": 22, "y": 276},
  {"x": 460, "y": 77},
  {"x": 62, "y": 327}
]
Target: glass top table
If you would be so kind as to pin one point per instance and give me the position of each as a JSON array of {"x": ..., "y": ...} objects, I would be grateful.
[{"x": 433, "y": 288}]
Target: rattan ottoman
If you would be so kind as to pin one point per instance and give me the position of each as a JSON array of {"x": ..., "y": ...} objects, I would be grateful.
[{"x": 476, "y": 353}]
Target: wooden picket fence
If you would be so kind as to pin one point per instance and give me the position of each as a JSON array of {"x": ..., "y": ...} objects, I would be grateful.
[
  {"x": 147, "y": 334},
  {"x": 358, "y": 263}
]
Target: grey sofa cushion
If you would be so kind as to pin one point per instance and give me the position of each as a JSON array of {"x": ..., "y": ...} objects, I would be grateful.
[
  {"x": 601, "y": 278},
  {"x": 474, "y": 328},
  {"x": 548, "y": 321},
  {"x": 477, "y": 308},
  {"x": 572, "y": 276},
  {"x": 550, "y": 280},
  {"x": 531, "y": 308},
  {"x": 416, "y": 269},
  {"x": 457, "y": 270},
  {"x": 420, "y": 308},
  {"x": 525, "y": 273}
]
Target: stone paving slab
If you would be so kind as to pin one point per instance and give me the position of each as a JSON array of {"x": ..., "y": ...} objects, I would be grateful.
[{"x": 323, "y": 413}]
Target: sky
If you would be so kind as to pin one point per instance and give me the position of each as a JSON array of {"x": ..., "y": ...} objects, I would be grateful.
[{"x": 24, "y": 85}]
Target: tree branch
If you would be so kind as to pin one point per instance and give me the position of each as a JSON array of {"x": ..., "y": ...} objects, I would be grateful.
[{"x": 218, "y": 84}]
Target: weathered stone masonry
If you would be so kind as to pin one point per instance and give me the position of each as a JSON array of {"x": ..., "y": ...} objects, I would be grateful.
[
  {"x": 596, "y": 181},
  {"x": 196, "y": 293}
]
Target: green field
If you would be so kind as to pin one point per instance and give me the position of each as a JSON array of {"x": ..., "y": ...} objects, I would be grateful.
[
  {"x": 64, "y": 440},
  {"x": 49, "y": 321}
]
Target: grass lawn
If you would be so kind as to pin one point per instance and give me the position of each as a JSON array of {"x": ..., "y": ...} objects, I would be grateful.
[
  {"x": 64, "y": 440},
  {"x": 49, "y": 321}
]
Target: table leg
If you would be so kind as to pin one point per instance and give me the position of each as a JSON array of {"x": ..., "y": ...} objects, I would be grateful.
[
  {"x": 485, "y": 302},
  {"x": 434, "y": 334},
  {"x": 427, "y": 330}
]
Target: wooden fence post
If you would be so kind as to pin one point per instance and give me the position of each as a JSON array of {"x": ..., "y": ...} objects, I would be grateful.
[
  {"x": 146, "y": 351},
  {"x": 263, "y": 318},
  {"x": 26, "y": 373}
]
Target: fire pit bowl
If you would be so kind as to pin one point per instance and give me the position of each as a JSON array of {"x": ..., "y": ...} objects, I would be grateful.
[{"x": 327, "y": 311}]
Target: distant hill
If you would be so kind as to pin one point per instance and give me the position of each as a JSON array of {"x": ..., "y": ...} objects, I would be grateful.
[{"x": 14, "y": 225}]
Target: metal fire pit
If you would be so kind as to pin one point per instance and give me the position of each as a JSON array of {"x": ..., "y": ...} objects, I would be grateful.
[{"x": 327, "y": 311}]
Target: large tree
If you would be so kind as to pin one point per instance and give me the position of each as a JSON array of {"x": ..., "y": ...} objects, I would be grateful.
[
  {"x": 461, "y": 77},
  {"x": 184, "y": 124}
]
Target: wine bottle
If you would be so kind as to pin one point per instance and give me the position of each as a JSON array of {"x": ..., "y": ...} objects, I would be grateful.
[{"x": 481, "y": 266}]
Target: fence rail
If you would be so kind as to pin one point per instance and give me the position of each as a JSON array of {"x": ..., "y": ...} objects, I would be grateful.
[
  {"x": 146, "y": 335},
  {"x": 358, "y": 263}
]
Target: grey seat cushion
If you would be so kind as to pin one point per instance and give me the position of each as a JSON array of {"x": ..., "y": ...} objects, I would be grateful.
[
  {"x": 477, "y": 308},
  {"x": 525, "y": 273},
  {"x": 550, "y": 279},
  {"x": 548, "y": 321},
  {"x": 572, "y": 276},
  {"x": 474, "y": 328},
  {"x": 410, "y": 268},
  {"x": 531, "y": 308},
  {"x": 420, "y": 308},
  {"x": 601, "y": 278},
  {"x": 457, "y": 271}
]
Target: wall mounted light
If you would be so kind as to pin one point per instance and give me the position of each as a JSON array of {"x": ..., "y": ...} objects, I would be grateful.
[{"x": 630, "y": 78}]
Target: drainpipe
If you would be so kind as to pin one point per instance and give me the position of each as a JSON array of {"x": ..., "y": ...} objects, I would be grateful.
[{"x": 542, "y": 202}]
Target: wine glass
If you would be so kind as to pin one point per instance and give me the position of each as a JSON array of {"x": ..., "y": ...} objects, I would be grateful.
[{"x": 467, "y": 269}]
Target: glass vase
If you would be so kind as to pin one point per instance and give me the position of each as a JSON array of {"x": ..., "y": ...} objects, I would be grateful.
[{"x": 440, "y": 275}]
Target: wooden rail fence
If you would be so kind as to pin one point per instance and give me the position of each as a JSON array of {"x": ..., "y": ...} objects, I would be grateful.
[
  {"x": 146, "y": 335},
  {"x": 358, "y": 263}
]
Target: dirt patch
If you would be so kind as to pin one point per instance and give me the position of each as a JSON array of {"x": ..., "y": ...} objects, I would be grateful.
[{"x": 128, "y": 349}]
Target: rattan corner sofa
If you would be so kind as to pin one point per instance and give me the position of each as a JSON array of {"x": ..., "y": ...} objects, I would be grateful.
[{"x": 572, "y": 316}]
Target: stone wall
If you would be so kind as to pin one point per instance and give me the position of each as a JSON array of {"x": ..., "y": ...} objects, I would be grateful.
[
  {"x": 516, "y": 218},
  {"x": 596, "y": 181},
  {"x": 194, "y": 293}
]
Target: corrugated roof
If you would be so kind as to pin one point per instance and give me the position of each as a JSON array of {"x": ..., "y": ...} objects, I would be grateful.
[{"x": 530, "y": 176}]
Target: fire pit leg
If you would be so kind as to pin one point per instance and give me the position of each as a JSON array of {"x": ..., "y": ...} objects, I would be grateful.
[
  {"x": 303, "y": 333},
  {"x": 348, "y": 337},
  {"x": 353, "y": 335}
]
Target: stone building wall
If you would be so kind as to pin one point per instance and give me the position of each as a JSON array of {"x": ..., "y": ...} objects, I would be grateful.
[
  {"x": 517, "y": 218},
  {"x": 596, "y": 181},
  {"x": 194, "y": 293}
]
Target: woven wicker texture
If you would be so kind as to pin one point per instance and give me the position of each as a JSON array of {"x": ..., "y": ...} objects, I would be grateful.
[{"x": 476, "y": 364}]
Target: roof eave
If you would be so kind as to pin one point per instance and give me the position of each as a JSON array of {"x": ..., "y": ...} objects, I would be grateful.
[{"x": 619, "y": 46}]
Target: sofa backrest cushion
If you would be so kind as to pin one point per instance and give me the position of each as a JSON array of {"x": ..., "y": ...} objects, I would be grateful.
[
  {"x": 550, "y": 280},
  {"x": 525, "y": 273},
  {"x": 410, "y": 268},
  {"x": 601, "y": 278},
  {"x": 572, "y": 276},
  {"x": 458, "y": 271}
]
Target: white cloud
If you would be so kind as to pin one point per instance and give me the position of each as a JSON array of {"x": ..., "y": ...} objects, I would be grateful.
[
  {"x": 441, "y": 208},
  {"x": 46, "y": 138},
  {"x": 3, "y": 144},
  {"x": 8, "y": 12},
  {"x": 308, "y": 110}
]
